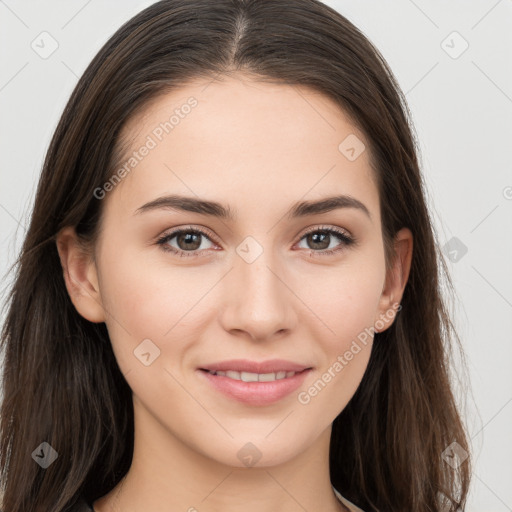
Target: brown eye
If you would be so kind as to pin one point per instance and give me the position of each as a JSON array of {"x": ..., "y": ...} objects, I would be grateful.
[
  {"x": 319, "y": 241},
  {"x": 189, "y": 242}
]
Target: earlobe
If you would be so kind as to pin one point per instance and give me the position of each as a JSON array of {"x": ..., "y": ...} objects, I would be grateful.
[
  {"x": 80, "y": 276},
  {"x": 396, "y": 280}
]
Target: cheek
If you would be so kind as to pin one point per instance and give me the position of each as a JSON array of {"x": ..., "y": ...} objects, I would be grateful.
[
  {"x": 345, "y": 300},
  {"x": 346, "y": 304},
  {"x": 158, "y": 301},
  {"x": 163, "y": 302},
  {"x": 148, "y": 298},
  {"x": 141, "y": 303}
]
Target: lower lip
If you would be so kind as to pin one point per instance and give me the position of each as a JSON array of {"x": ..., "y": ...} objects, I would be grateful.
[{"x": 256, "y": 393}]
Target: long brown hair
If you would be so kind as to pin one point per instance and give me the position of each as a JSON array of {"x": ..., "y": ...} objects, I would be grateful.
[{"x": 61, "y": 382}]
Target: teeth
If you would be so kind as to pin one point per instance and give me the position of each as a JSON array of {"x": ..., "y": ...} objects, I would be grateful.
[
  {"x": 254, "y": 377},
  {"x": 266, "y": 377}
]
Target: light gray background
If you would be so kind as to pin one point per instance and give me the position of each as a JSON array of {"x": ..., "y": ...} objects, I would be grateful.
[{"x": 462, "y": 109}]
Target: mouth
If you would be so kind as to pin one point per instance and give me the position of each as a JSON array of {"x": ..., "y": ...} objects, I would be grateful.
[{"x": 254, "y": 388}]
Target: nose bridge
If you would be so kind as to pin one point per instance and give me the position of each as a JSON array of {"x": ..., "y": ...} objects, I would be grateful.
[{"x": 258, "y": 299}]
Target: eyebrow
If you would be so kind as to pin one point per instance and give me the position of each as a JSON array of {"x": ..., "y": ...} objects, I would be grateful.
[{"x": 215, "y": 209}]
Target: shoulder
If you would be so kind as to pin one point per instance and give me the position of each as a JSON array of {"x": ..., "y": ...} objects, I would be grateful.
[
  {"x": 81, "y": 506},
  {"x": 349, "y": 504}
]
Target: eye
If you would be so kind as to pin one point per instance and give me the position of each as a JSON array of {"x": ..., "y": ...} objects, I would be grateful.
[
  {"x": 321, "y": 237},
  {"x": 188, "y": 241},
  {"x": 190, "y": 244}
]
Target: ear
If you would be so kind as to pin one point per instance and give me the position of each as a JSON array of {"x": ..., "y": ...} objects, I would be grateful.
[
  {"x": 396, "y": 279},
  {"x": 80, "y": 276}
]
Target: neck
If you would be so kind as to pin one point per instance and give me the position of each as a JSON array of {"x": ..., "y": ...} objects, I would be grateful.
[{"x": 167, "y": 473}]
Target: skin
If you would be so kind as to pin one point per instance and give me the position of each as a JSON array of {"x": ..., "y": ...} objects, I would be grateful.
[{"x": 259, "y": 148}]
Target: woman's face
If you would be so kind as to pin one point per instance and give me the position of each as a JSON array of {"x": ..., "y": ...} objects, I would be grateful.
[{"x": 262, "y": 283}]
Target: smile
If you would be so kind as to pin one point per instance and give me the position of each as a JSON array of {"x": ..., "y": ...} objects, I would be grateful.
[
  {"x": 253, "y": 377},
  {"x": 254, "y": 389}
]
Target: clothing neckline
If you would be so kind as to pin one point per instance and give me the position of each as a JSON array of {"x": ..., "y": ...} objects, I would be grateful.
[{"x": 349, "y": 504}]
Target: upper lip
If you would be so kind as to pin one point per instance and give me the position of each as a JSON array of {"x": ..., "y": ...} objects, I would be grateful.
[{"x": 244, "y": 365}]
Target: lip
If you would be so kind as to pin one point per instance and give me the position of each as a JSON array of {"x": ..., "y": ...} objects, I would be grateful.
[
  {"x": 244, "y": 365},
  {"x": 255, "y": 393}
]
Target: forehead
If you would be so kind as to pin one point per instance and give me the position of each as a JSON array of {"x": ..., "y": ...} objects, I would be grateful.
[{"x": 239, "y": 136}]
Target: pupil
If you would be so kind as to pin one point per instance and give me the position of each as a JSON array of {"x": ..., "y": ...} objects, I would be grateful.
[
  {"x": 189, "y": 237},
  {"x": 315, "y": 237}
]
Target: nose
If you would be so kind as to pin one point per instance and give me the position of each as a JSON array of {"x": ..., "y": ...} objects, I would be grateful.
[{"x": 259, "y": 302}]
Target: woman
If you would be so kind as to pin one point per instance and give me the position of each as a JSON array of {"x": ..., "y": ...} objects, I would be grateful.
[{"x": 228, "y": 294}]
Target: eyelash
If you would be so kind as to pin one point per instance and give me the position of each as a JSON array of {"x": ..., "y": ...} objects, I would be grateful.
[{"x": 345, "y": 239}]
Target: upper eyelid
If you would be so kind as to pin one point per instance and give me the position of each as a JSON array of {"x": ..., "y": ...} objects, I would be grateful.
[
  {"x": 201, "y": 230},
  {"x": 327, "y": 228}
]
